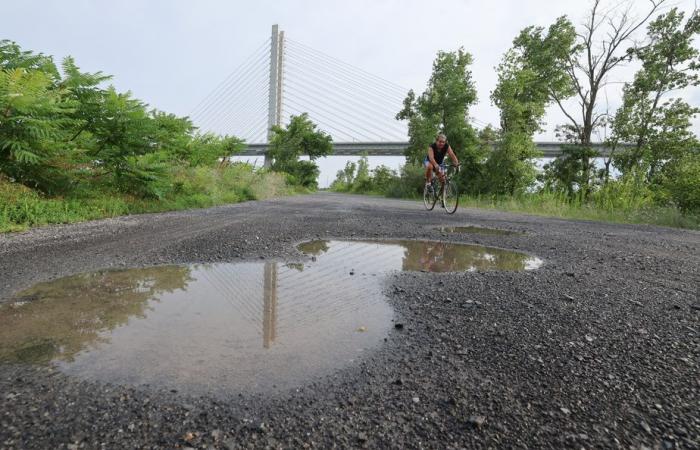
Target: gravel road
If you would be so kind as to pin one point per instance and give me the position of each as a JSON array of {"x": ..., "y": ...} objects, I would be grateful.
[{"x": 598, "y": 348}]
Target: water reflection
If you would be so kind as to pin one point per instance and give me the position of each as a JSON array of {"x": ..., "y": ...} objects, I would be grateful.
[
  {"x": 314, "y": 248},
  {"x": 223, "y": 328},
  {"x": 427, "y": 256},
  {"x": 56, "y": 320},
  {"x": 477, "y": 230},
  {"x": 215, "y": 328}
]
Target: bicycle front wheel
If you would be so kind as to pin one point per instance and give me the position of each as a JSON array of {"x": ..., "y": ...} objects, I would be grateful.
[
  {"x": 429, "y": 197},
  {"x": 450, "y": 197}
]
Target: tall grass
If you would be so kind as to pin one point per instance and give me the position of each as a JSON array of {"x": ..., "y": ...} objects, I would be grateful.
[
  {"x": 198, "y": 187},
  {"x": 600, "y": 209}
]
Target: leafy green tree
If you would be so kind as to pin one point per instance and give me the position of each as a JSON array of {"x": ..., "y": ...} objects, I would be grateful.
[
  {"x": 600, "y": 48},
  {"x": 444, "y": 107},
  {"x": 84, "y": 88},
  {"x": 300, "y": 137},
  {"x": 656, "y": 126},
  {"x": 33, "y": 117},
  {"x": 344, "y": 177},
  {"x": 530, "y": 71},
  {"x": 13, "y": 57},
  {"x": 682, "y": 180},
  {"x": 208, "y": 149}
]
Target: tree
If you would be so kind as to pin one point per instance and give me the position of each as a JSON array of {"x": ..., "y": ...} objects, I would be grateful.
[
  {"x": 657, "y": 126},
  {"x": 13, "y": 57},
  {"x": 533, "y": 68},
  {"x": 599, "y": 49},
  {"x": 33, "y": 117},
  {"x": 301, "y": 137},
  {"x": 444, "y": 107}
]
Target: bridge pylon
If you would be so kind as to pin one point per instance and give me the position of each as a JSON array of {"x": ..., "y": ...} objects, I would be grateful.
[{"x": 274, "y": 115}]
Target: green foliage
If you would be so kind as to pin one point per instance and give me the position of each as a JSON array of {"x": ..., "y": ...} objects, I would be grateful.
[
  {"x": 530, "y": 74},
  {"x": 569, "y": 172},
  {"x": 510, "y": 167},
  {"x": 682, "y": 181},
  {"x": 344, "y": 178},
  {"x": 64, "y": 133},
  {"x": 444, "y": 107},
  {"x": 302, "y": 173},
  {"x": 13, "y": 57},
  {"x": 33, "y": 115},
  {"x": 207, "y": 149},
  {"x": 382, "y": 180},
  {"x": 194, "y": 187},
  {"x": 658, "y": 127},
  {"x": 301, "y": 137}
]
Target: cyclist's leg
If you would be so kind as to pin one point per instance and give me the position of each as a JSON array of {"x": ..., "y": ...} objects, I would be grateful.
[
  {"x": 428, "y": 170},
  {"x": 441, "y": 172}
]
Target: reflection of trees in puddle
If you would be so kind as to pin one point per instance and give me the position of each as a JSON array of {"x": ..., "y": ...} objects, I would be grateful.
[
  {"x": 296, "y": 266},
  {"x": 56, "y": 320},
  {"x": 476, "y": 230},
  {"x": 314, "y": 248},
  {"x": 444, "y": 257}
]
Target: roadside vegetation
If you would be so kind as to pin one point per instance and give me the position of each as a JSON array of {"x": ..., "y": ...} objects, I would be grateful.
[
  {"x": 654, "y": 154},
  {"x": 73, "y": 148}
]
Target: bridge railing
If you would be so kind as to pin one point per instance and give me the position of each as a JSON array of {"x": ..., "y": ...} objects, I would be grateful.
[{"x": 548, "y": 149}]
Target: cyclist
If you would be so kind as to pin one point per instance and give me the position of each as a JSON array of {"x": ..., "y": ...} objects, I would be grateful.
[{"x": 436, "y": 155}]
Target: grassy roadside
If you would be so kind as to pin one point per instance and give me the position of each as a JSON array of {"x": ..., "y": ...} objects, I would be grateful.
[
  {"x": 201, "y": 187},
  {"x": 551, "y": 206}
]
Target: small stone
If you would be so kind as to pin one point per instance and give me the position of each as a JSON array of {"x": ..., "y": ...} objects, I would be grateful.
[
  {"x": 313, "y": 258},
  {"x": 362, "y": 329},
  {"x": 352, "y": 271},
  {"x": 416, "y": 400},
  {"x": 477, "y": 421},
  {"x": 188, "y": 436},
  {"x": 645, "y": 426},
  {"x": 589, "y": 338},
  {"x": 566, "y": 411},
  {"x": 568, "y": 297},
  {"x": 398, "y": 326}
]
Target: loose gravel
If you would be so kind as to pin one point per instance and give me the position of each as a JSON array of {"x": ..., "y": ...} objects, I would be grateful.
[{"x": 598, "y": 348}]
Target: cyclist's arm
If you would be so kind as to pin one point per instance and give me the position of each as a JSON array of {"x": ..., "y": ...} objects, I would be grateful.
[{"x": 453, "y": 157}]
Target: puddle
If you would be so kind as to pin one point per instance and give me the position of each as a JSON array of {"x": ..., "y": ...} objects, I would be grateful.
[
  {"x": 217, "y": 329},
  {"x": 225, "y": 328},
  {"x": 427, "y": 256},
  {"x": 477, "y": 230}
]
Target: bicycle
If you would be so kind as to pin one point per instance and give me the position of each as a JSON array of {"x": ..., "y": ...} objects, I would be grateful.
[{"x": 447, "y": 192}]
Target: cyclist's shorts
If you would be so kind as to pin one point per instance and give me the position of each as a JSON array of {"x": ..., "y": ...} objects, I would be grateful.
[{"x": 426, "y": 163}]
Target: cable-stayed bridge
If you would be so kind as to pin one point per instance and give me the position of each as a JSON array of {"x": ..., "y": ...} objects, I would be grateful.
[{"x": 284, "y": 77}]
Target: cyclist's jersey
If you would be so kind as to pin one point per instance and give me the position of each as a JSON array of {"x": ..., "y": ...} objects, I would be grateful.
[{"x": 437, "y": 153}]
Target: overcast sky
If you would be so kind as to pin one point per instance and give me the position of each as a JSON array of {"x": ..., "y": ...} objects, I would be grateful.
[{"x": 172, "y": 53}]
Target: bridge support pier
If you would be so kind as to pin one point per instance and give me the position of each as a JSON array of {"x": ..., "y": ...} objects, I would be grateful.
[{"x": 274, "y": 112}]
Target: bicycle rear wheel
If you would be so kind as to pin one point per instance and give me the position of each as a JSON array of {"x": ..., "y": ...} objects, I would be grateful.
[
  {"x": 450, "y": 197},
  {"x": 429, "y": 196}
]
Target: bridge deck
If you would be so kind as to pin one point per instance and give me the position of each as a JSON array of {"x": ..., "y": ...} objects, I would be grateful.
[{"x": 548, "y": 149}]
